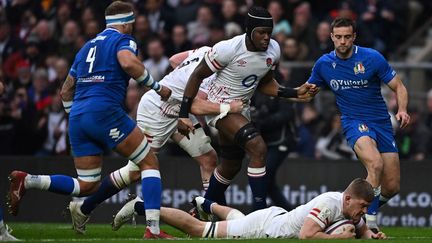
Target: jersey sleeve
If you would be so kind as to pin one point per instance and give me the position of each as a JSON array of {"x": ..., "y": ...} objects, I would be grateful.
[
  {"x": 323, "y": 214},
  {"x": 219, "y": 56},
  {"x": 384, "y": 71},
  {"x": 316, "y": 77},
  {"x": 277, "y": 55},
  {"x": 127, "y": 43}
]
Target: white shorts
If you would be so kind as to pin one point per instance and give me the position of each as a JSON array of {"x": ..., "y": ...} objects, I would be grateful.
[
  {"x": 253, "y": 225},
  {"x": 211, "y": 120},
  {"x": 157, "y": 126}
]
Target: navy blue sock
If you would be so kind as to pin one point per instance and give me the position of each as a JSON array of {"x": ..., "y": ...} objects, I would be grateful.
[
  {"x": 206, "y": 206},
  {"x": 258, "y": 185},
  {"x": 139, "y": 208},
  {"x": 373, "y": 207},
  {"x": 105, "y": 191},
  {"x": 216, "y": 191},
  {"x": 62, "y": 184}
]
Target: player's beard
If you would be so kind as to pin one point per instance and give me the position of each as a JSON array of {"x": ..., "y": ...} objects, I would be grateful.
[{"x": 343, "y": 51}]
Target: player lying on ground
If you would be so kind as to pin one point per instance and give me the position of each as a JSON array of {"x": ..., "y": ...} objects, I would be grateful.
[{"x": 307, "y": 221}]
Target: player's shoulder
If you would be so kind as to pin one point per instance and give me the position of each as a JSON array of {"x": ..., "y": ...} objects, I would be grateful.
[
  {"x": 274, "y": 48},
  {"x": 368, "y": 52},
  {"x": 231, "y": 45},
  {"x": 330, "y": 197}
]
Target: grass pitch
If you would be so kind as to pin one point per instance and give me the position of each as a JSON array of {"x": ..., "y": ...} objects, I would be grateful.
[{"x": 102, "y": 233}]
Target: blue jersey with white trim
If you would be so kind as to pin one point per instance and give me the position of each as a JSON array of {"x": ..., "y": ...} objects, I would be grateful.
[
  {"x": 356, "y": 82},
  {"x": 101, "y": 83}
]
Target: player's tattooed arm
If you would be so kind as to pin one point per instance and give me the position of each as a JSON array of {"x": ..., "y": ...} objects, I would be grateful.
[{"x": 68, "y": 89}]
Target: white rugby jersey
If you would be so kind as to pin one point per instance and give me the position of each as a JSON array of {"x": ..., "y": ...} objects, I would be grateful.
[
  {"x": 177, "y": 80},
  {"x": 324, "y": 209},
  {"x": 238, "y": 71}
]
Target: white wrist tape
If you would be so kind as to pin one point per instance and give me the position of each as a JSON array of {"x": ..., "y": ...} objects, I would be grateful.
[
  {"x": 224, "y": 108},
  {"x": 67, "y": 105},
  {"x": 148, "y": 81}
]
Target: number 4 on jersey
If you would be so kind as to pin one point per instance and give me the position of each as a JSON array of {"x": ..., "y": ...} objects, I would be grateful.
[{"x": 91, "y": 58}]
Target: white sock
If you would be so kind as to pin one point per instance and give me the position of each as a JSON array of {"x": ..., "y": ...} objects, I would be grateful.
[
  {"x": 152, "y": 216},
  {"x": 41, "y": 182},
  {"x": 2, "y": 227}
]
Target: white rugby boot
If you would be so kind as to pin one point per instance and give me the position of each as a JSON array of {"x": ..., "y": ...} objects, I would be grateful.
[{"x": 79, "y": 220}]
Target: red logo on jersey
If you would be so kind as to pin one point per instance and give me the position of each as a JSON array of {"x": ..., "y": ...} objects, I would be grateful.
[
  {"x": 269, "y": 62},
  {"x": 241, "y": 63}
]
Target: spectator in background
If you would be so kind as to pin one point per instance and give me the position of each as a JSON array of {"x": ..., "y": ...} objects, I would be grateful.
[
  {"x": 56, "y": 127},
  {"x": 281, "y": 24},
  {"x": 91, "y": 29},
  {"x": 67, "y": 42},
  {"x": 23, "y": 113},
  {"x": 160, "y": 17},
  {"x": 157, "y": 63},
  {"x": 199, "y": 30},
  {"x": 308, "y": 130},
  {"x": 8, "y": 43},
  {"x": 230, "y": 13},
  {"x": 28, "y": 22},
  {"x": 142, "y": 31},
  {"x": 186, "y": 11},
  {"x": 62, "y": 16},
  {"x": 303, "y": 27},
  {"x": 178, "y": 42},
  {"x": 217, "y": 33},
  {"x": 321, "y": 43},
  {"x": 43, "y": 33},
  {"x": 331, "y": 143},
  {"x": 38, "y": 92},
  {"x": 412, "y": 141},
  {"x": 293, "y": 51}
]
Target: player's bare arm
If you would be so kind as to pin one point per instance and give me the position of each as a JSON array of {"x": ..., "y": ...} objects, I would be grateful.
[
  {"x": 133, "y": 66},
  {"x": 269, "y": 86},
  {"x": 201, "y": 72},
  {"x": 204, "y": 107},
  {"x": 67, "y": 93},
  {"x": 312, "y": 230},
  {"x": 178, "y": 58},
  {"x": 399, "y": 88}
]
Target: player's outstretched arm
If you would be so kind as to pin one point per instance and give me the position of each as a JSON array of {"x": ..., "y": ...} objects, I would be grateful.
[
  {"x": 67, "y": 93},
  {"x": 312, "y": 230},
  {"x": 399, "y": 88},
  {"x": 133, "y": 66},
  {"x": 202, "y": 107}
]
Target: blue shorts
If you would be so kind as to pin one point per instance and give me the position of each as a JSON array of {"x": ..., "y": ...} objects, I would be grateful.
[
  {"x": 94, "y": 132},
  {"x": 380, "y": 131}
]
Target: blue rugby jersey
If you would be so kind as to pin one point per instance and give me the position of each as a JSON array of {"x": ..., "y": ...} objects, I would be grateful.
[
  {"x": 356, "y": 82},
  {"x": 101, "y": 83}
]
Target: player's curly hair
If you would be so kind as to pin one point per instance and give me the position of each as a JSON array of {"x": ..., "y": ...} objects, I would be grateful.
[
  {"x": 118, "y": 7},
  {"x": 343, "y": 22},
  {"x": 361, "y": 189}
]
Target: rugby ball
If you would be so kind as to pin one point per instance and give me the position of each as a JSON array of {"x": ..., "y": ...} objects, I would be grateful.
[{"x": 338, "y": 227}]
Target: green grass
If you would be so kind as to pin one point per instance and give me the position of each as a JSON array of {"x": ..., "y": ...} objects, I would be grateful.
[{"x": 102, "y": 233}]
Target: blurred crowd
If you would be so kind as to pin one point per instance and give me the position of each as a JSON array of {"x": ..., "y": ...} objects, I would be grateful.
[{"x": 39, "y": 40}]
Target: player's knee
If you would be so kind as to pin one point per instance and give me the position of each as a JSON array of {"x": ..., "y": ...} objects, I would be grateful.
[
  {"x": 231, "y": 152},
  {"x": 87, "y": 188},
  {"x": 245, "y": 134},
  {"x": 256, "y": 149},
  {"x": 376, "y": 166},
  {"x": 208, "y": 161},
  {"x": 229, "y": 170},
  {"x": 124, "y": 176},
  {"x": 198, "y": 143}
]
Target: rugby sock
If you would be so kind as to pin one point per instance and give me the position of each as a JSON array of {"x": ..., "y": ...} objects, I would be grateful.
[
  {"x": 217, "y": 187},
  {"x": 206, "y": 206},
  {"x": 139, "y": 208},
  {"x": 258, "y": 185},
  {"x": 373, "y": 208},
  {"x": 105, "y": 191},
  {"x": 383, "y": 200},
  {"x": 55, "y": 183},
  {"x": 151, "y": 188}
]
